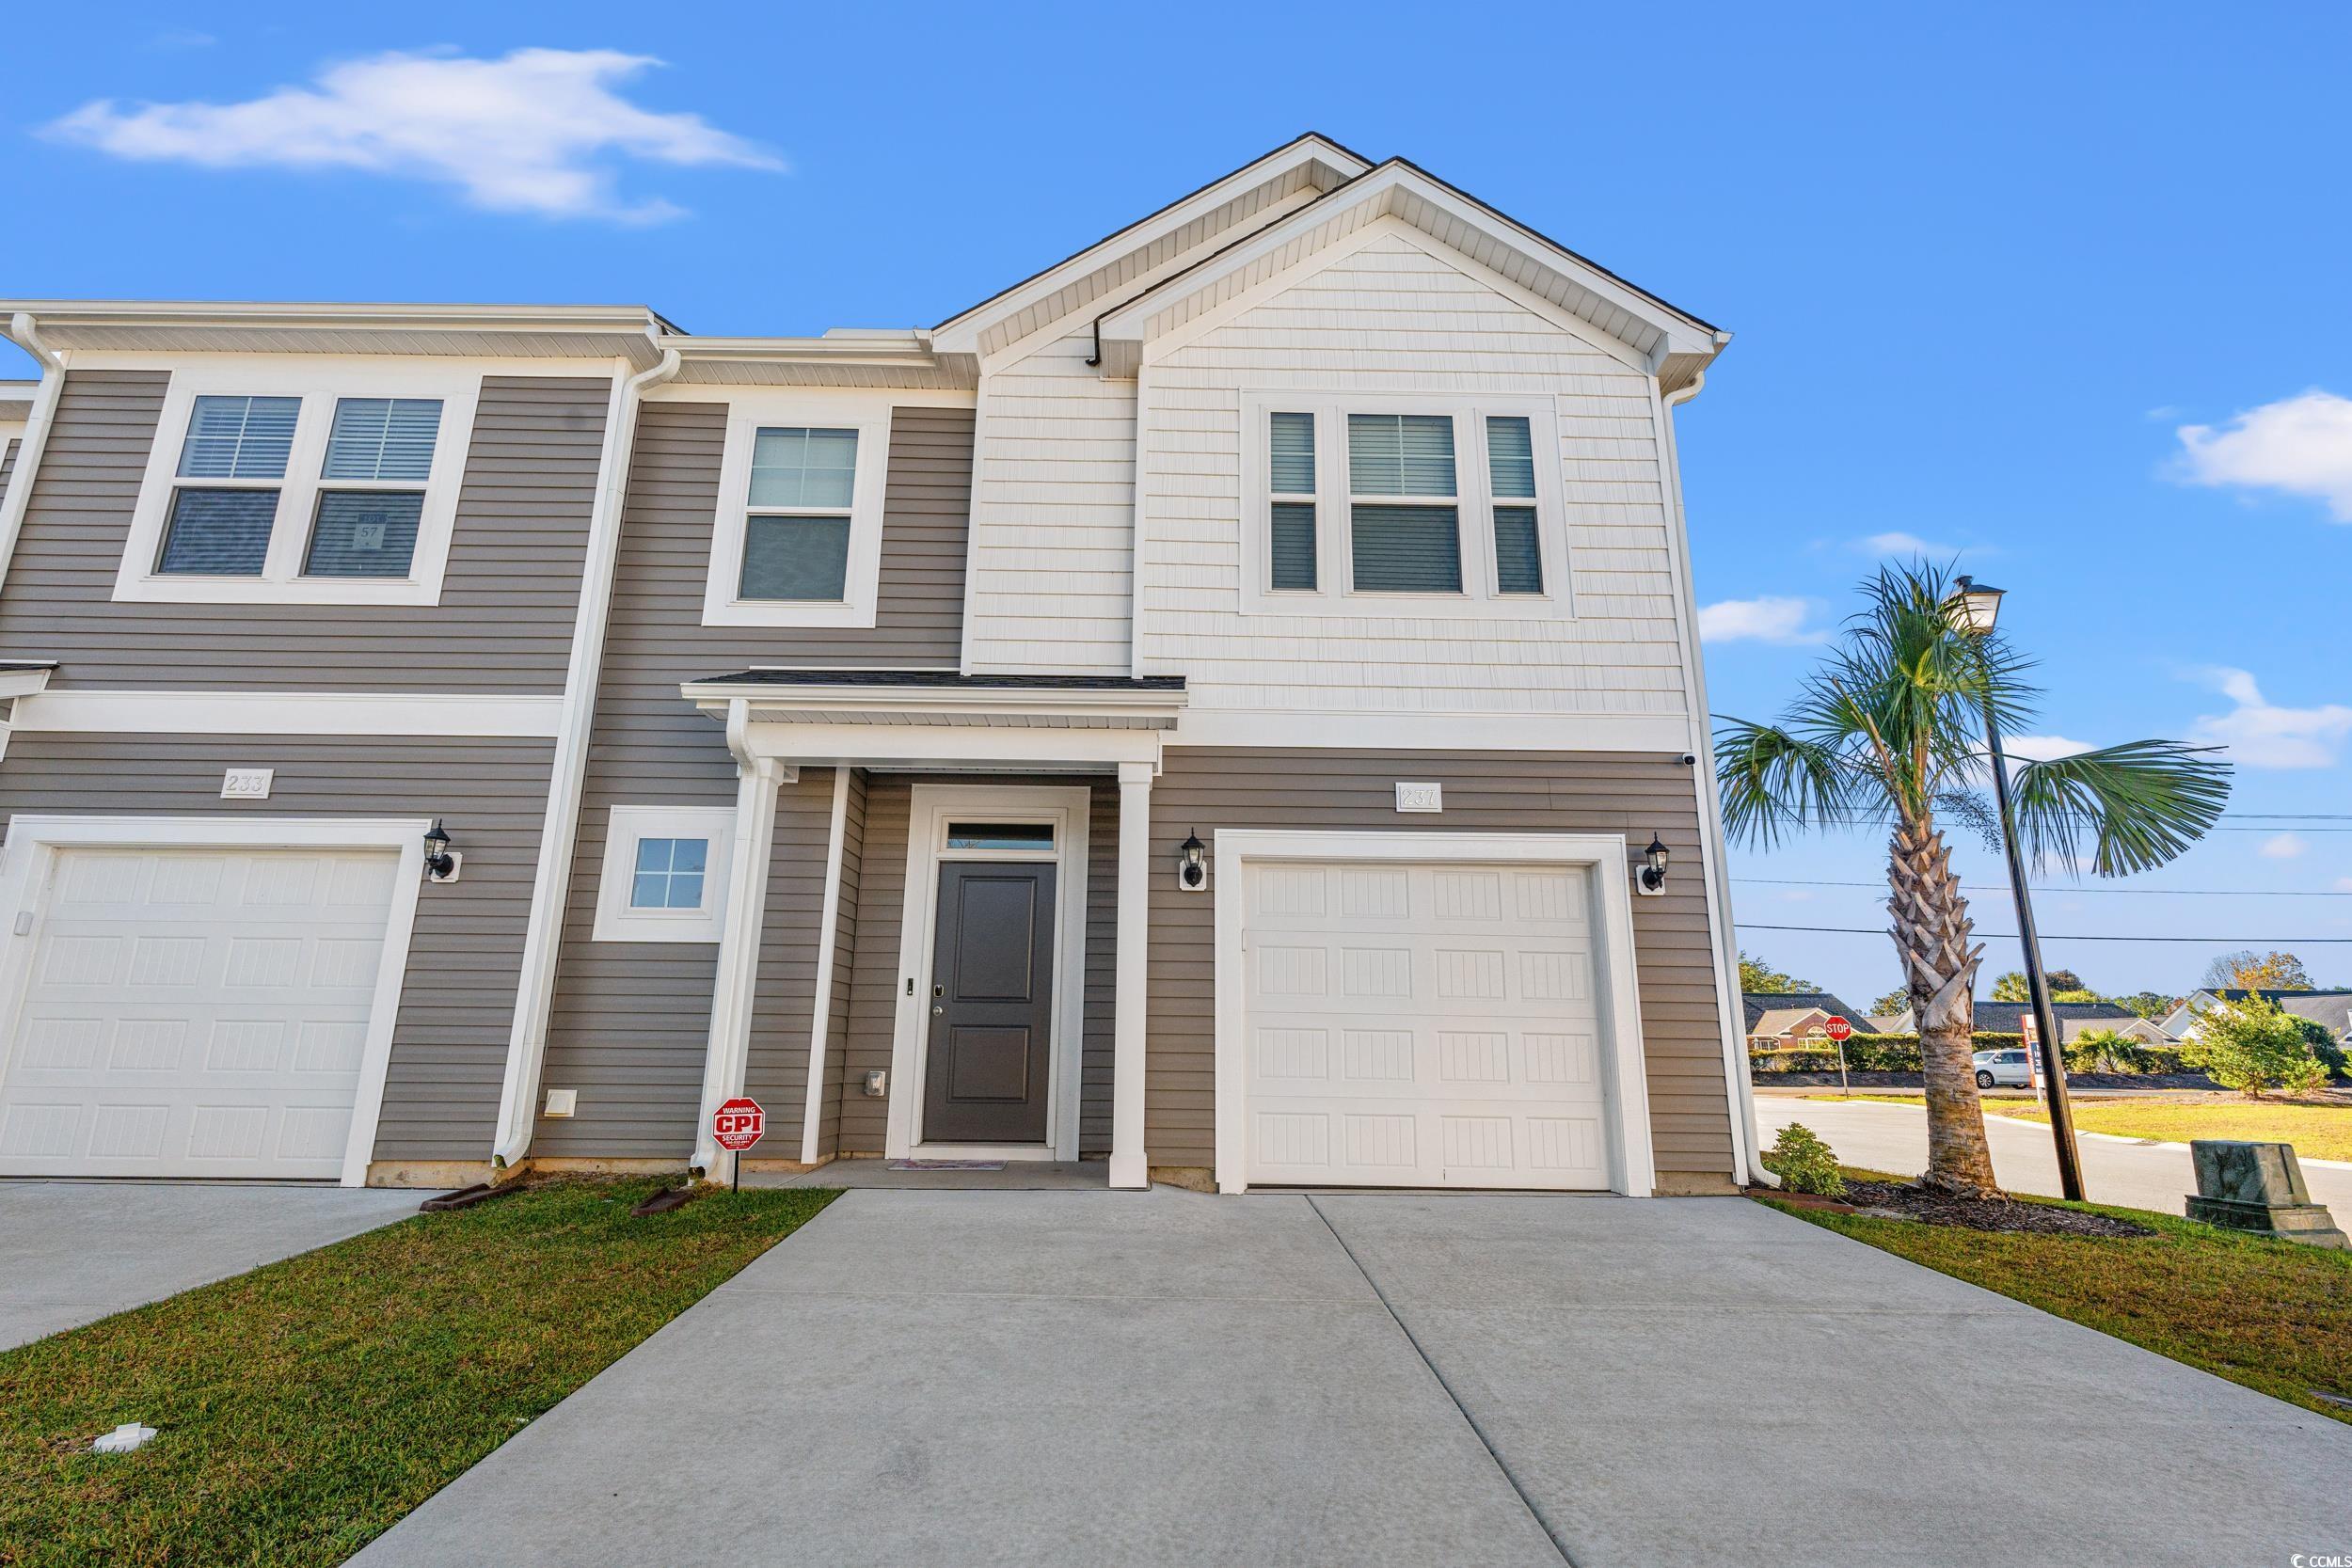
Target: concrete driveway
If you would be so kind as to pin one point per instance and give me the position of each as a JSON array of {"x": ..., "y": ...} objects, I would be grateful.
[
  {"x": 1878, "y": 1135},
  {"x": 1094, "y": 1377},
  {"x": 72, "y": 1252}
]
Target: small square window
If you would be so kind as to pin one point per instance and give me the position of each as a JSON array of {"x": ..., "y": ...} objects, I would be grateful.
[{"x": 669, "y": 874}]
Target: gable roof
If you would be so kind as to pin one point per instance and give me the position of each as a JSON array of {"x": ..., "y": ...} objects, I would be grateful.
[
  {"x": 2005, "y": 1018},
  {"x": 2329, "y": 1008},
  {"x": 1677, "y": 344},
  {"x": 1757, "y": 1004},
  {"x": 1300, "y": 169}
]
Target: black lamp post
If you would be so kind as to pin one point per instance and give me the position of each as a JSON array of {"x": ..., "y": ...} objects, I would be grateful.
[{"x": 1975, "y": 606}]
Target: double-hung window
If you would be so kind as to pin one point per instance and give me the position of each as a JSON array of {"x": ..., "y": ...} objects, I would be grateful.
[
  {"x": 301, "y": 485},
  {"x": 798, "y": 538},
  {"x": 1385, "y": 503}
]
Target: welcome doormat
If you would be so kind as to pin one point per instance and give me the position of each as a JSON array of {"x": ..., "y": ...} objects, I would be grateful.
[{"x": 946, "y": 1164}]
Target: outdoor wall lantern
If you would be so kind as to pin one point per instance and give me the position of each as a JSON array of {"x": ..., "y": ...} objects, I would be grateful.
[
  {"x": 1192, "y": 864},
  {"x": 1653, "y": 877},
  {"x": 440, "y": 862},
  {"x": 1976, "y": 605}
]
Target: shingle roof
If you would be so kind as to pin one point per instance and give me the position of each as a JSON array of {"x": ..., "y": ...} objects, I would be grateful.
[
  {"x": 2004, "y": 1017},
  {"x": 2332, "y": 1009},
  {"x": 1757, "y": 1003}
]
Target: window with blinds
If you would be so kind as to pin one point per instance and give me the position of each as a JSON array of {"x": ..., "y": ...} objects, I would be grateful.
[
  {"x": 1404, "y": 523},
  {"x": 1291, "y": 532},
  {"x": 221, "y": 520},
  {"x": 1511, "y": 483},
  {"x": 796, "y": 530},
  {"x": 379, "y": 455}
]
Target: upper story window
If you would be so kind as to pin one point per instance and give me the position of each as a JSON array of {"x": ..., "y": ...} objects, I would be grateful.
[
  {"x": 1449, "y": 501},
  {"x": 300, "y": 484},
  {"x": 798, "y": 538}
]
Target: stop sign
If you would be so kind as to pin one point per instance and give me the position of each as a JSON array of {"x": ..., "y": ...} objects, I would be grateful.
[
  {"x": 1837, "y": 1029},
  {"x": 737, "y": 1124}
]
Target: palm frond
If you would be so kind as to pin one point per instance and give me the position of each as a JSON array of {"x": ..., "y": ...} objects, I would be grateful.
[
  {"x": 2140, "y": 803},
  {"x": 1774, "y": 783}
]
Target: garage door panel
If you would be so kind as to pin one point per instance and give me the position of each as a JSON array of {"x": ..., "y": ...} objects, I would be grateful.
[
  {"x": 195, "y": 1013},
  {"x": 1422, "y": 1025}
]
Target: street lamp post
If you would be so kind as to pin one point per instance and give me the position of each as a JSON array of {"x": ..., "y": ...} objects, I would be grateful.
[{"x": 1979, "y": 605}]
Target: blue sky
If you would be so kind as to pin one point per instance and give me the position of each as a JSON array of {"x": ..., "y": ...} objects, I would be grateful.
[{"x": 2055, "y": 290}]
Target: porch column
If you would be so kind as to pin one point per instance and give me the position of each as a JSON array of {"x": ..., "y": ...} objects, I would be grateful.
[
  {"x": 757, "y": 779},
  {"x": 1129, "y": 1166}
]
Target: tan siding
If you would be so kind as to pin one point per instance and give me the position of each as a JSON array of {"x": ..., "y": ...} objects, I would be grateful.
[
  {"x": 631, "y": 1019},
  {"x": 508, "y": 600},
  {"x": 8, "y": 463},
  {"x": 1203, "y": 790},
  {"x": 845, "y": 931},
  {"x": 457, "y": 1004}
]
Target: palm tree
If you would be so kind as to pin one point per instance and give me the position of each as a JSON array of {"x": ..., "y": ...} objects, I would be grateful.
[{"x": 1889, "y": 733}]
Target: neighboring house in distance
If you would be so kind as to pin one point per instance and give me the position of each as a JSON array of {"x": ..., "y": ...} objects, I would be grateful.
[
  {"x": 1783, "y": 1016},
  {"x": 1199, "y": 706},
  {"x": 1889, "y": 1024},
  {"x": 2074, "y": 1020},
  {"x": 2330, "y": 1010}
]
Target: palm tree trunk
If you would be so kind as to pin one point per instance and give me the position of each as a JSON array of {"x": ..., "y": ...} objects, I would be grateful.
[{"x": 1932, "y": 932}]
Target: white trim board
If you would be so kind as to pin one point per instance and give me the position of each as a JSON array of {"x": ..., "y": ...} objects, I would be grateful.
[
  {"x": 1067, "y": 808},
  {"x": 34, "y": 841},
  {"x": 84, "y": 711},
  {"x": 1632, "y": 1166}
]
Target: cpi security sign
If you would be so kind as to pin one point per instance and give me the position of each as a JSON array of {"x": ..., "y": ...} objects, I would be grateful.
[{"x": 737, "y": 1124}]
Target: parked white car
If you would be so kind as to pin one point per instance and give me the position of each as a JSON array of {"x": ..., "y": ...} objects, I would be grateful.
[{"x": 2008, "y": 1069}]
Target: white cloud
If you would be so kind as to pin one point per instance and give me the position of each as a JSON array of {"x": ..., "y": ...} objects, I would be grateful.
[
  {"x": 1902, "y": 543},
  {"x": 2281, "y": 847},
  {"x": 2042, "y": 748},
  {"x": 1764, "y": 620},
  {"x": 2260, "y": 735},
  {"x": 2301, "y": 445},
  {"x": 537, "y": 131}
]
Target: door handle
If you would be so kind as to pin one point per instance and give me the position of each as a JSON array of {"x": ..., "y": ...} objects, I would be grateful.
[{"x": 937, "y": 1010}]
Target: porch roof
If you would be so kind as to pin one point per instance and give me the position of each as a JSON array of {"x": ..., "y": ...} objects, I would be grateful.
[{"x": 943, "y": 698}]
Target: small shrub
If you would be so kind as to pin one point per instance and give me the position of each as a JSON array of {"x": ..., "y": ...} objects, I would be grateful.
[
  {"x": 2324, "y": 1046},
  {"x": 2253, "y": 1046},
  {"x": 1803, "y": 1162}
]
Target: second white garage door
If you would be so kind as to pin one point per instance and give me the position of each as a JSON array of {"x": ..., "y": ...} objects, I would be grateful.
[
  {"x": 1423, "y": 1025},
  {"x": 194, "y": 1012}
]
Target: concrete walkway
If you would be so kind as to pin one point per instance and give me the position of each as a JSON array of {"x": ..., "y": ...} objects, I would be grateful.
[
  {"x": 1878, "y": 1135},
  {"x": 1095, "y": 1378},
  {"x": 72, "y": 1252}
]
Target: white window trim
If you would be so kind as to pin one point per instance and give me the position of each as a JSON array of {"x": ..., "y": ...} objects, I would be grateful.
[
  {"x": 319, "y": 387},
  {"x": 618, "y": 920},
  {"x": 33, "y": 843},
  {"x": 723, "y": 605},
  {"x": 1633, "y": 1163},
  {"x": 933, "y": 806},
  {"x": 1335, "y": 592}
]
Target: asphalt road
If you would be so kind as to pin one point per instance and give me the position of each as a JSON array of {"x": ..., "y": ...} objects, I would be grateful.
[{"x": 1883, "y": 1136}]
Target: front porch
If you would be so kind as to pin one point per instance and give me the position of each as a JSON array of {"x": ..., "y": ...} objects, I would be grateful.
[{"x": 979, "y": 930}]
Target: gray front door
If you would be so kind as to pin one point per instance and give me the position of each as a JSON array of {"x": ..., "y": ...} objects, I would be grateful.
[{"x": 991, "y": 1050}]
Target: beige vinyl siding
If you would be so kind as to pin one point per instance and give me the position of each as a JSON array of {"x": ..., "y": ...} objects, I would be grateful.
[
  {"x": 8, "y": 462},
  {"x": 1392, "y": 318},
  {"x": 630, "y": 1021},
  {"x": 877, "y": 970},
  {"x": 1203, "y": 790},
  {"x": 847, "y": 927},
  {"x": 457, "y": 1002},
  {"x": 508, "y": 600}
]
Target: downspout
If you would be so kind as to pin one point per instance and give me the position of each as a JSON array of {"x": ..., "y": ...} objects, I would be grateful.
[
  {"x": 1741, "y": 1089},
  {"x": 23, "y": 332},
  {"x": 550, "y": 889}
]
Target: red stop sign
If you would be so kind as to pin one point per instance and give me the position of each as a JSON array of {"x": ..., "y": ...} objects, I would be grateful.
[
  {"x": 1837, "y": 1029},
  {"x": 737, "y": 1124}
]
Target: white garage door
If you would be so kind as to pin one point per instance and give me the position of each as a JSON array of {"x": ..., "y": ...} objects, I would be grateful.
[
  {"x": 195, "y": 1013},
  {"x": 1414, "y": 1025}
]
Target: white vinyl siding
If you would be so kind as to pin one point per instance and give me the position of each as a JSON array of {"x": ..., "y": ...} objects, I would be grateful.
[{"x": 1393, "y": 320}]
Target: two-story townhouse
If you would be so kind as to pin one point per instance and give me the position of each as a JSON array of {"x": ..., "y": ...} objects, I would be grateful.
[{"x": 1228, "y": 704}]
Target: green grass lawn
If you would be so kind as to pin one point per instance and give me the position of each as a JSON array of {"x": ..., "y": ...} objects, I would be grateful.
[
  {"x": 2318, "y": 1132},
  {"x": 2275, "y": 1316},
  {"x": 305, "y": 1407}
]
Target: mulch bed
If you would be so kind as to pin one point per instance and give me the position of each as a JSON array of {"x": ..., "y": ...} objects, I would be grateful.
[{"x": 1898, "y": 1201}]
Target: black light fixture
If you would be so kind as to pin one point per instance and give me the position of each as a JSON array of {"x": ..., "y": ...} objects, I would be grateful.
[
  {"x": 1653, "y": 872},
  {"x": 439, "y": 864},
  {"x": 1192, "y": 865}
]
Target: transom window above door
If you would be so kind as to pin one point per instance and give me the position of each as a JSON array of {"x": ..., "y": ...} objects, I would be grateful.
[
  {"x": 798, "y": 538},
  {"x": 1407, "y": 504},
  {"x": 301, "y": 485}
]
